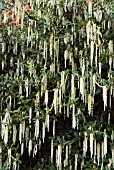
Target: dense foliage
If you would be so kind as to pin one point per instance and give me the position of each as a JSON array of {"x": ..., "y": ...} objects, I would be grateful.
[{"x": 57, "y": 84}]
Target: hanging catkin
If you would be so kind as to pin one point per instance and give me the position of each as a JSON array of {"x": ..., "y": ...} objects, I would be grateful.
[
  {"x": 113, "y": 156},
  {"x": 63, "y": 82},
  {"x": 3, "y": 64},
  {"x": 44, "y": 56},
  {"x": 90, "y": 7},
  {"x": 60, "y": 100},
  {"x": 100, "y": 65},
  {"x": 110, "y": 46},
  {"x": 112, "y": 136},
  {"x": 17, "y": 70},
  {"x": 52, "y": 150},
  {"x": 102, "y": 150},
  {"x": 105, "y": 96},
  {"x": 27, "y": 136},
  {"x": 85, "y": 144},
  {"x": 28, "y": 38},
  {"x": 22, "y": 148},
  {"x": 26, "y": 87},
  {"x": 46, "y": 97},
  {"x": 51, "y": 45},
  {"x": 30, "y": 147},
  {"x": 6, "y": 134},
  {"x": 37, "y": 99},
  {"x": 22, "y": 17},
  {"x": 59, "y": 158},
  {"x": 54, "y": 128},
  {"x": 23, "y": 129},
  {"x": 43, "y": 131},
  {"x": 73, "y": 117},
  {"x": 65, "y": 56},
  {"x": 105, "y": 143},
  {"x": 56, "y": 52},
  {"x": 45, "y": 81},
  {"x": 35, "y": 150},
  {"x": 9, "y": 157},
  {"x": 98, "y": 153},
  {"x": 3, "y": 47},
  {"x": 14, "y": 165},
  {"x": 36, "y": 129},
  {"x": 82, "y": 164},
  {"x": 95, "y": 150},
  {"x": 30, "y": 115},
  {"x": 94, "y": 86},
  {"x": 14, "y": 133},
  {"x": 82, "y": 88},
  {"x": 76, "y": 162},
  {"x": 83, "y": 66},
  {"x": 90, "y": 104},
  {"x": 91, "y": 144},
  {"x": 55, "y": 100},
  {"x": 5, "y": 17},
  {"x": 20, "y": 89},
  {"x": 88, "y": 31},
  {"x": 72, "y": 88},
  {"x": 20, "y": 132},
  {"x": 0, "y": 156},
  {"x": 77, "y": 118},
  {"x": 66, "y": 158},
  {"x": 47, "y": 121}
]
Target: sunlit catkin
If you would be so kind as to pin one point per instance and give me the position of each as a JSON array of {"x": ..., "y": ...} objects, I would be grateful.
[
  {"x": 59, "y": 161},
  {"x": 26, "y": 87},
  {"x": 46, "y": 97},
  {"x": 102, "y": 150},
  {"x": 27, "y": 135},
  {"x": 0, "y": 156},
  {"x": 72, "y": 87},
  {"x": 54, "y": 128},
  {"x": 85, "y": 144},
  {"x": 113, "y": 156},
  {"x": 6, "y": 134},
  {"x": 91, "y": 144},
  {"x": 90, "y": 7},
  {"x": 98, "y": 153},
  {"x": 22, "y": 148},
  {"x": 88, "y": 31},
  {"x": 35, "y": 150},
  {"x": 95, "y": 150},
  {"x": 105, "y": 96},
  {"x": 92, "y": 52},
  {"x": 20, "y": 132},
  {"x": 105, "y": 143},
  {"x": 51, "y": 45},
  {"x": 30, "y": 147},
  {"x": 73, "y": 117},
  {"x": 82, "y": 84},
  {"x": 52, "y": 150},
  {"x": 36, "y": 129},
  {"x": 43, "y": 131},
  {"x": 100, "y": 66},
  {"x": 76, "y": 162},
  {"x": 14, "y": 133}
]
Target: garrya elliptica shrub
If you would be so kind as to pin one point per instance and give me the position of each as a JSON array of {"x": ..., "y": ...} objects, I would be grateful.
[{"x": 57, "y": 84}]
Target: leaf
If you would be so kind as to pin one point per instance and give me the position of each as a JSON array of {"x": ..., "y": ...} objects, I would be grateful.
[
  {"x": 98, "y": 90},
  {"x": 75, "y": 100},
  {"x": 104, "y": 82},
  {"x": 110, "y": 80}
]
